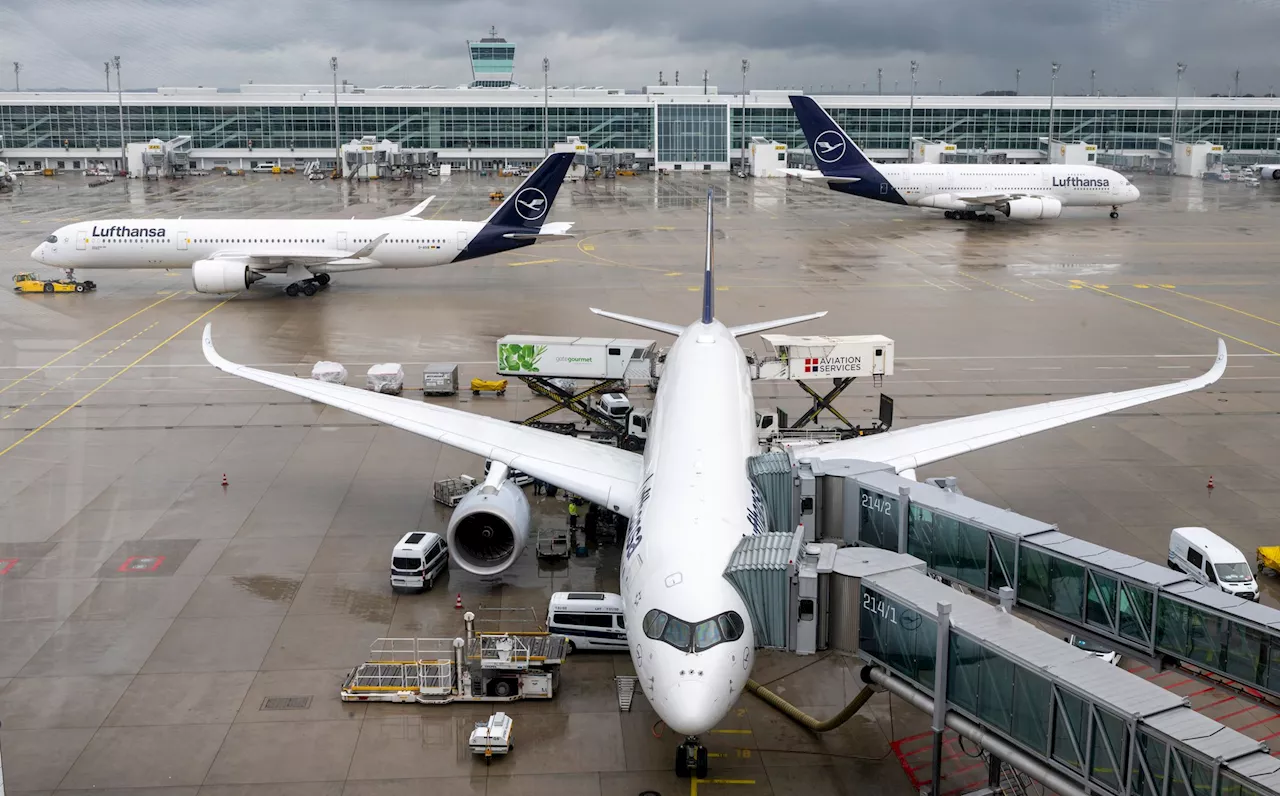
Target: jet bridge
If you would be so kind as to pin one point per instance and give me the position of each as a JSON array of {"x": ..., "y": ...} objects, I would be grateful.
[{"x": 1141, "y": 606}]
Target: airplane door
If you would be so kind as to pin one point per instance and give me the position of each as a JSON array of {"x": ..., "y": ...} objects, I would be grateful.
[
  {"x": 82, "y": 239},
  {"x": 462, "y": 241},
  {"x": 182, "y": 241},
  {"x": 342, "y": 241}
]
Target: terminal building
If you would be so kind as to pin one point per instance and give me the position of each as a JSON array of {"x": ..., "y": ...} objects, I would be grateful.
[{"x": 494, "y": 121}]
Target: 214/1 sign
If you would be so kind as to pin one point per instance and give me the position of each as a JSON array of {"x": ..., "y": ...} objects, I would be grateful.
[
  {"x": 877, "y": 505},
  {"x": 877, "y": 605}
]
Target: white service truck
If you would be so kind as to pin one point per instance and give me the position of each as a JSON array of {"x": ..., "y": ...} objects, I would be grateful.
[{"x": 574, "y": 357}]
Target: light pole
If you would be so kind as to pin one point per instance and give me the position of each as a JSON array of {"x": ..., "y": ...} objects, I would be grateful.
[
  {"x": 939, "y": 85},
  {"x": 106, "y": 66},
  {"x": 1093, "y": 73},
  {"x": 911, "y": 129},
  {"x": 879, "y": 81},
  {"x": 546, "y": 135},
  {"x": 124, "y": 160},
  {"x": 742, "y": 131},
  {"x": 1017, "y": 80},
  {"x": 337, "y": 134},
  {"x": 17, "y": 67},
  {"x": 704, "y": 81},
  {"x": 1053, "y": 90},
  {"x": 1173, "y": 133}
]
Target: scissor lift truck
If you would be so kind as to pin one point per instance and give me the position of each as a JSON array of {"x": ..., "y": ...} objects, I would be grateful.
[{"x": 484, "y": 667}]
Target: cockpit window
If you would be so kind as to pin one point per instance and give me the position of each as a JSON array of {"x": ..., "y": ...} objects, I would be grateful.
[
  {"x": 693, "y": 637},
  {"x": 51, "y": 239}
]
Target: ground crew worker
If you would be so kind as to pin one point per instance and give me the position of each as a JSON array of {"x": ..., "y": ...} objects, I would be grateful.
[{"x": 573, "y": 512}]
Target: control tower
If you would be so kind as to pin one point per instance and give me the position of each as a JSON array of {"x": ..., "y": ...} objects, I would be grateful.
[{"x": 492, "y": 61}]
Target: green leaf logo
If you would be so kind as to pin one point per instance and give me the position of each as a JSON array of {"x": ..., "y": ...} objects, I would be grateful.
[{"x": 514, "y": 357}]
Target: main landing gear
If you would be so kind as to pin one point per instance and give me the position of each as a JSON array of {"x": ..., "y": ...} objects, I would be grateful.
[
  {"x": 308, "y": 287},
  {"x": 968, "y": 215},
  {"x": 1115, "y": 211},
  {"x": 691, "y": 758}
]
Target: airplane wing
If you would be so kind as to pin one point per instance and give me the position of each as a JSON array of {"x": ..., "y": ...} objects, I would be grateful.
[
  {"x": 604, "y": 475},
  {"x": 278, "y": 260},
  {"x": 990, "y": 200},
  {"x": 917, "y": 446}
]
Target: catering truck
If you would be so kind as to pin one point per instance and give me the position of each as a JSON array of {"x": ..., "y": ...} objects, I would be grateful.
[{"x": 575, "y": 357}]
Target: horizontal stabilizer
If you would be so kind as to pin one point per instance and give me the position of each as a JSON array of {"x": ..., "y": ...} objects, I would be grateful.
[
  {"x": 556, "y": 230},
  {"x": 645, "y": 323},
  {"x": 809, "y": 175},
  {"x": 764, "y": 326}
]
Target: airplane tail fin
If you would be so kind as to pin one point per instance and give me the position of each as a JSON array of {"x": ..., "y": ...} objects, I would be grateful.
[
  {"x": 708, "y": 281},
  {"x": 833, "y": 150},
  {"x": 527, "y": 207}
]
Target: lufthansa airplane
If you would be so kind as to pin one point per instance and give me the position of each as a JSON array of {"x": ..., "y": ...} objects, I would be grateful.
[
  {"x": 688, "y": 496},
  {"x": 229, "y": 255},
  {"x": 961, "y": 191}
]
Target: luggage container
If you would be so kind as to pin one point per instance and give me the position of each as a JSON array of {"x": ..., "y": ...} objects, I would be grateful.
[
  {"x": 574, "y": 357},
  {"x": 440, "y": 379},
  {"x": 331, "y": 372},
  {"x": 387, "y": 377}
]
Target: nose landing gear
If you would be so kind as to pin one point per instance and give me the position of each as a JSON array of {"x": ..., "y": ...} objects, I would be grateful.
[
  {"x": 1115, "y": 211},
  {"x": 691, "y": 758}
]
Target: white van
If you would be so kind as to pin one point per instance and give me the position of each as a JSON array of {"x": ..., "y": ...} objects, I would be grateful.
[
  {"x": 1208, "y": 558},
  {"x": 417, "y": 560},
  {"x": 591, "y": 620}
]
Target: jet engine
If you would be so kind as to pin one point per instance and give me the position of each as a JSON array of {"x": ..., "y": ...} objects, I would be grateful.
[
  {"x": 222, "y": 276},
  {"x": 1269, "y": 172},
  {"x": 1033, "y": 208},
  {"x": 490, "y": 526}
]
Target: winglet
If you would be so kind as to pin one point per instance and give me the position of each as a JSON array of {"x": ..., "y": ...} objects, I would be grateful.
[
  {"x": 1219, "y": 364},
  {"x": 210, "y": 353},
  {"x": 708, "y": 281},
  {"x": 417, "y": 209}
]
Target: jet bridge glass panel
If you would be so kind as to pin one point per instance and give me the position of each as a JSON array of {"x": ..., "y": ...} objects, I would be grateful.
[
  {"x": 898, "y": 636},
  {"x": 878, "y": 519}
]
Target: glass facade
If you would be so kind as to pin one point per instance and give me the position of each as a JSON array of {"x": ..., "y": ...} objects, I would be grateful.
[
  {"x": 240, "y": 126},
  {"x": 1111, "y": 130},
  {"x": 878, "y": 520},
  {"x": 693, "y": 133},
  {"x": 704, "y": 132}
]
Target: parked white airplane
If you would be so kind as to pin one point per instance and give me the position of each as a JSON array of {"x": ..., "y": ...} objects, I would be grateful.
[
  {"x": 962, "y": 191},
  {"x": 1267, "y": 171},
  {"x": 688, "y": 497},
  {"x": 229, "y": 255}
]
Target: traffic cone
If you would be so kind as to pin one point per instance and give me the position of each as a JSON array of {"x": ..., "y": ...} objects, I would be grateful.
[
  {"x": 1210, "y": 482},
  {"x": 224, "y": 480},
  {"x": 458, "y": 602}
]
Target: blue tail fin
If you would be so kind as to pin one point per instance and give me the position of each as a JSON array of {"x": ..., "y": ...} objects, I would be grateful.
[
  {"x": 833, "y": 150},
  {"x": 528, "y": 206},
  {"x": 518, "y": 221},
  {"x": 708, "y": 281}
]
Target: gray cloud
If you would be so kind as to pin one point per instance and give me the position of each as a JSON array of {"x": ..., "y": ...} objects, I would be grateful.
[{"x": 973, "y": 46}]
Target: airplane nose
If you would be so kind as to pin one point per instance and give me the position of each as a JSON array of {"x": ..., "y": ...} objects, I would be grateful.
[
  {"x": 1134, "y": 193},
  {"x": 689, "y": 708},
  {"x": 38, "y": 253}
]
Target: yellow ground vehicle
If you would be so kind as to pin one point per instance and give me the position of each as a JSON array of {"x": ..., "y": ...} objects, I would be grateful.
[
  {"x": 482, "y": 385},
  {"x": 27, "y": 282},
  {"x": 1268, "y": 558},
  {"x": 497, "y": 196}
]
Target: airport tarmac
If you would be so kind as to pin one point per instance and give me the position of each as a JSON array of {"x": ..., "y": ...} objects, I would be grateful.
[{"x": 147, "y": 613}]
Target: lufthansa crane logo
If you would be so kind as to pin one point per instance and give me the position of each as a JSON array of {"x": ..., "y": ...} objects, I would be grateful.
[
  {"x": 531, "y": 204},
  {"x": 828, "y": 147}
]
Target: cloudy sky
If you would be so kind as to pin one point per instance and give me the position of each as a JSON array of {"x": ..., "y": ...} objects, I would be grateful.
[{"x": 974, "y": 45}]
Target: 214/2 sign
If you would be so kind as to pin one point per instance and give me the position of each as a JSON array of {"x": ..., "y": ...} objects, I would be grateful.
[{"x": 877, "y": 504}]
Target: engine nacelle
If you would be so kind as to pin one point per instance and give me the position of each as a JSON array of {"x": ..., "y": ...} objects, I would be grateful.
[
  {"x": 222, "y": 276},
  {"x": 489, "y": 528},
  {"x": 1032, "y": 208},
  {"x": 1269, "y": 172},
  {"x": 943, "y": 201}
]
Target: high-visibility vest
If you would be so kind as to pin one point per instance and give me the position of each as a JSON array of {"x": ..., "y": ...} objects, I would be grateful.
[{"x": 573, "y": 509}]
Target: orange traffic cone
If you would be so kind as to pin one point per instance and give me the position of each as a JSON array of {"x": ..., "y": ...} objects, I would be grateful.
[
  {"x": 458, "y": 602},
  {"x": 224, "y": 480},
  {"x": 1210, "y": 482}
]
